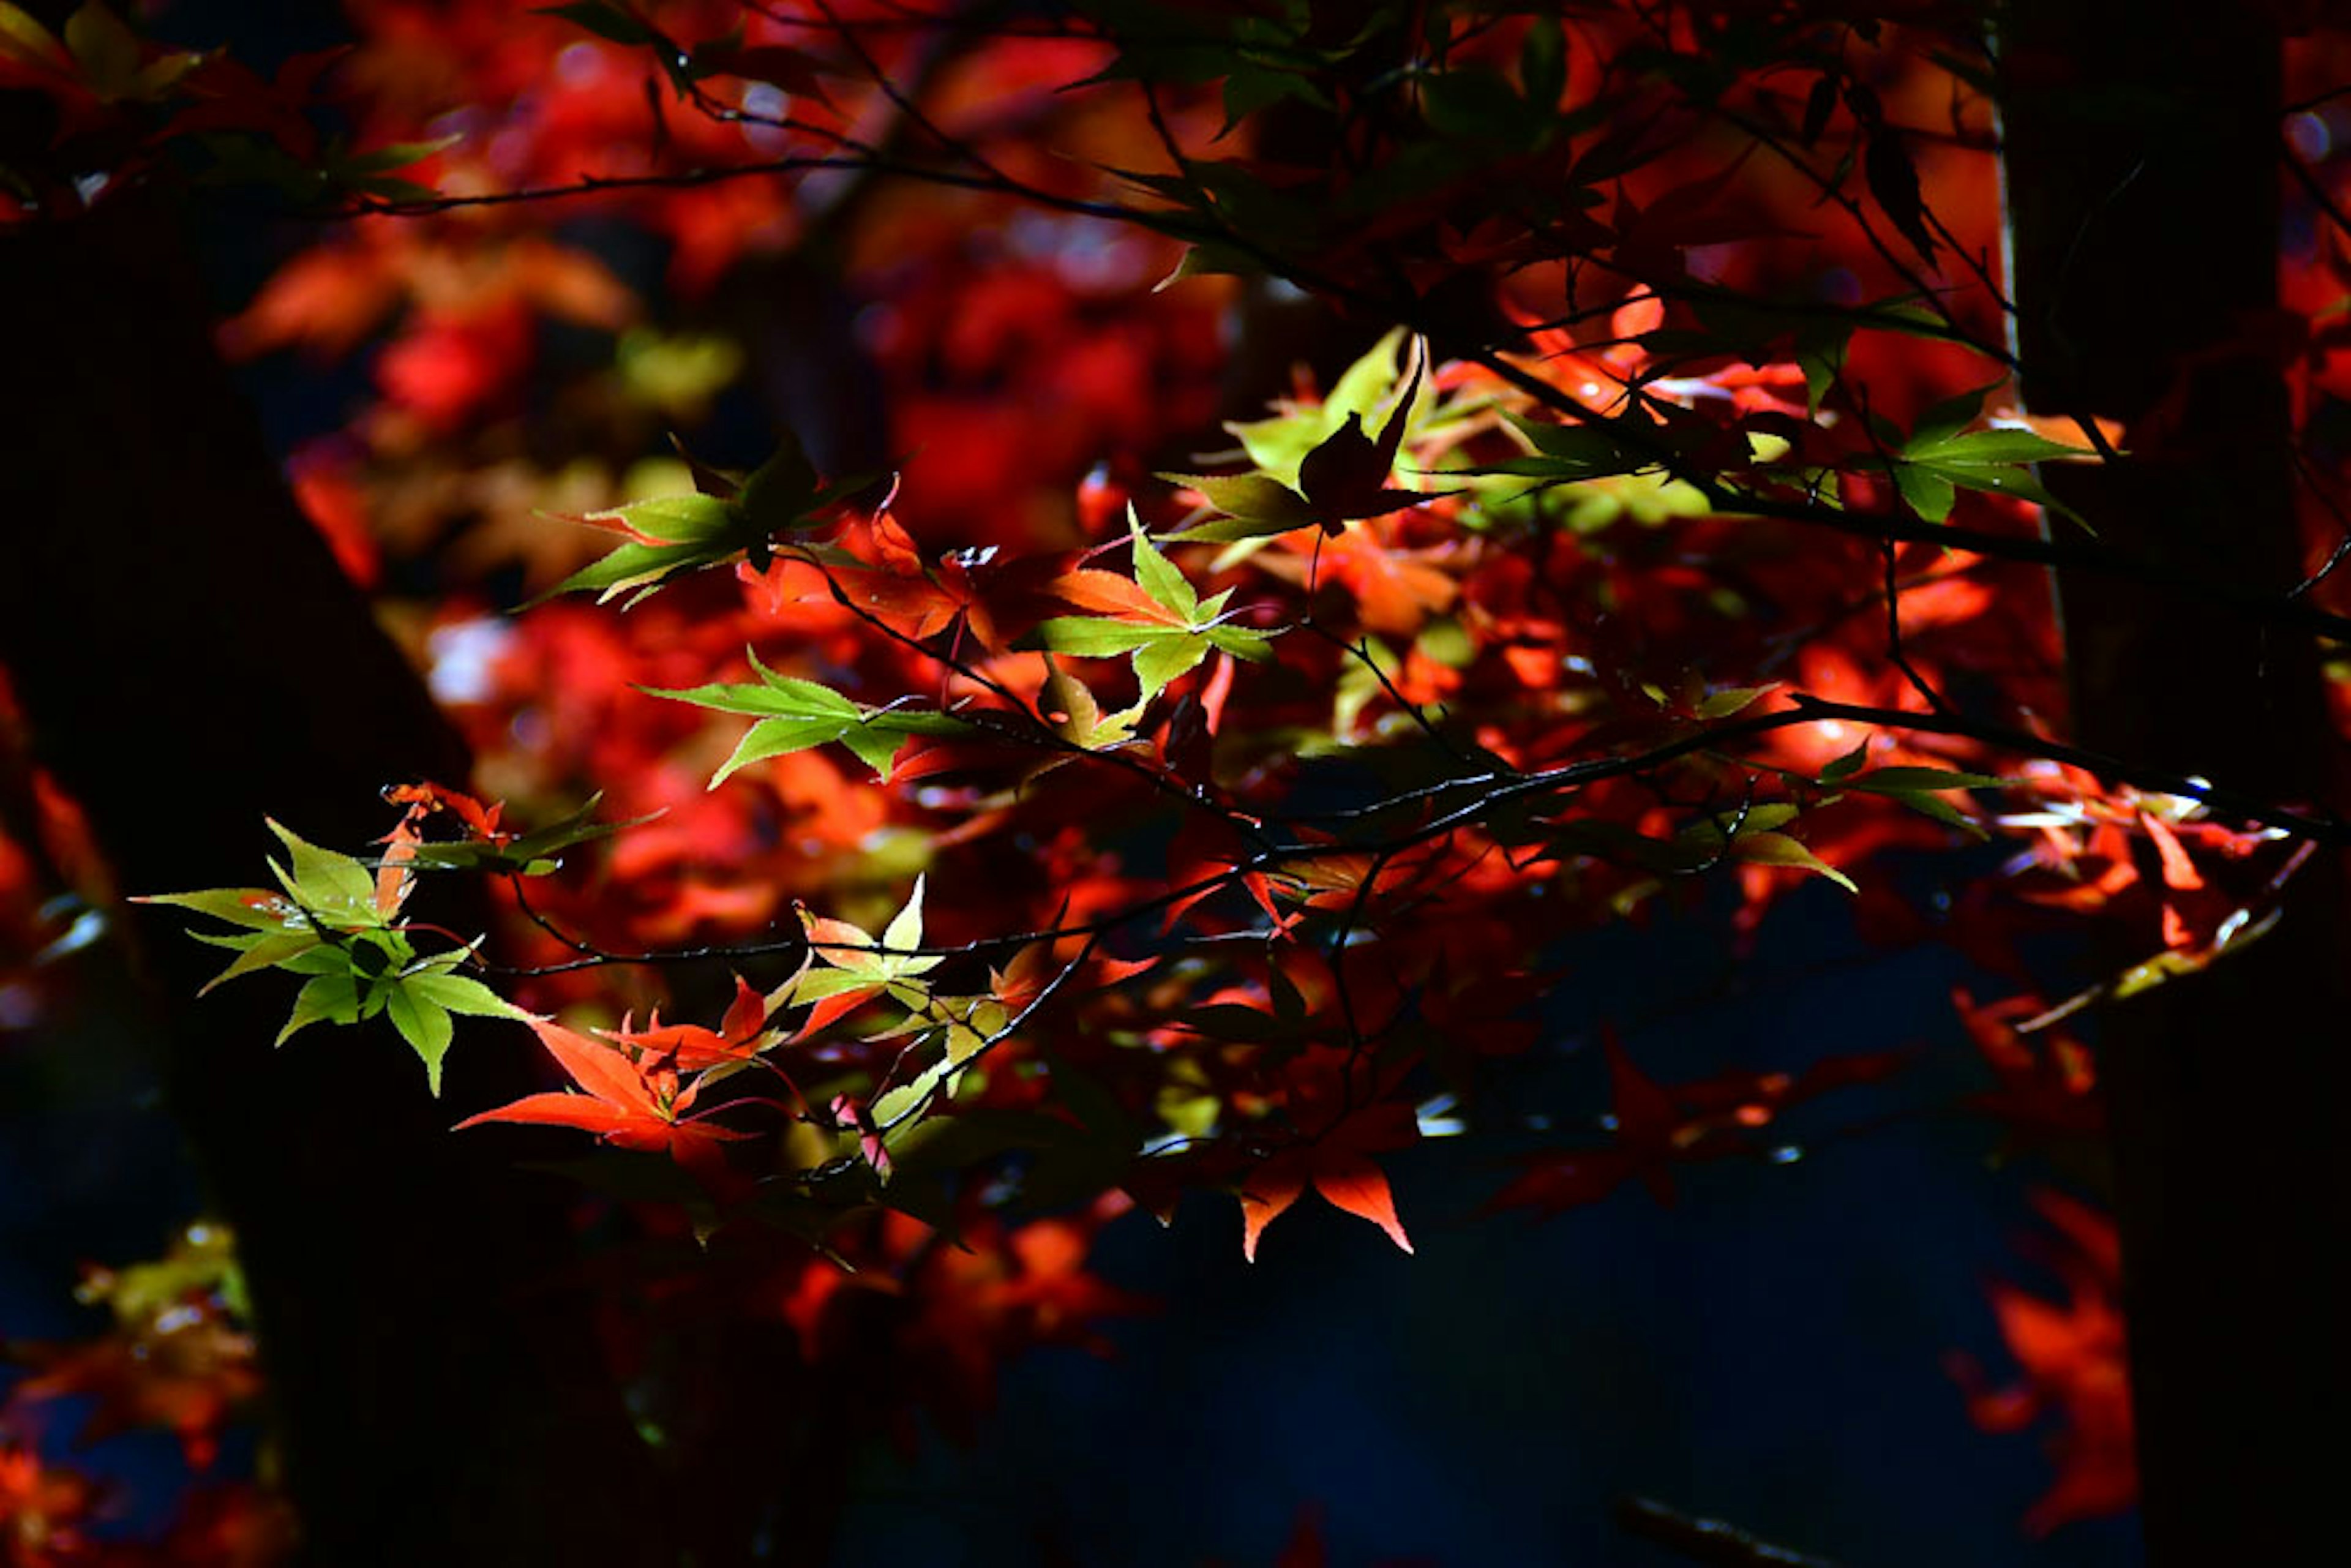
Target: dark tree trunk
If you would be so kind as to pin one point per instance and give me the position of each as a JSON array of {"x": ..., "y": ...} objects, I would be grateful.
[
  {"x": 2142, "y": 164},
  {"x": 189, "y": 659}
]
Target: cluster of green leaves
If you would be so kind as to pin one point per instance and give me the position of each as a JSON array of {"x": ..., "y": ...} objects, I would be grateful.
[
  {"x": 337, "y": 922},
  {"x": 1921, "y": 789},
  {"x": 1315, "y": 464},
  {"x": 850, "y": 965},
  {"x": 795, "y": 714},
  {"x": 535, "y": 854},
  {"x": 200, "y": 1263},
  {"x": 728, "y": 518},
  {"x": 1186, "y": 630},
  {"x": 1942, "y": 455}
]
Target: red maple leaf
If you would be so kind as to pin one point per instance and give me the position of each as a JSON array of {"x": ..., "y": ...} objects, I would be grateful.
[
  {"x": 689, "y": 1047},
  {"x": 2072, "y": 1360},
  {"x": 1655, "y": 1127},
  {"x": 630, "y": 1103},
  {"x": 1337, "y": 1166}
]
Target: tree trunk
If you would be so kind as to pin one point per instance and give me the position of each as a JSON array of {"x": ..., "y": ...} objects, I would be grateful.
[
  {"x": 2141, "y": 160},
  {"x": 189, "y": 658}
]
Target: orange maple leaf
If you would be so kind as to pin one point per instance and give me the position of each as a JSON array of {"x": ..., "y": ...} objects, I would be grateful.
[
  {"x": 632, "y": 1103},
  {"x": 689, "y": 1047},
  {"x": 1337, "y": 1165}
]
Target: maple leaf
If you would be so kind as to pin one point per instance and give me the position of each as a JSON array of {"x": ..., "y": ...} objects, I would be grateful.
[
  {"x": 1338, "y": 474},
  {"x": 1337, "y": 1165},
  {"x": 1346, "y": 475},
  {"x": 1166, "y": 626},
  {"x": 630, "y": 1103},
  {"x": 668, "y": 535},
  {"x": 395, "y": 875},
  {"x": 795, "y": 714},
  {"x": 857, "y": 968},
  {"x": 1655, "y": 1125},
  {"x": 489, "y": 846},
  {"x": 336, "y": 924},
  {"x": 690, "y": 1048},
  {"x": 1395, "y": 590},
  {"x": 324, "y": 894},
  {"x": 873, "y": 568},
  {"x": 2047, "y": 1083},
  {"x": 2072, "y": 1360},
  {"x": 1068, "y": 705}
]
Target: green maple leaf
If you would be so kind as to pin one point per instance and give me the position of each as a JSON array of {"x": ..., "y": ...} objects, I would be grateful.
[
  {"x": 1162, "y": 650},
  {"x": 795, "y": 714},
  {"x": 669, "y": 536}
]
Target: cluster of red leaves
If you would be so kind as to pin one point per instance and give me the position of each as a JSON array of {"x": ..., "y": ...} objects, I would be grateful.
[
  {"x": 637, "y": 1102},
  {"x": 898, "y": 1323},
  {"x": 41, "y": 1509},
  {"x": 2045, "y": 1084},
  {"x": 176, "y": 1357},
  {"x": 1183, "y": 954},
  {"x": 1652, "y": 1127},
  {"x": 957, "y": 1309},
  {"x": 52, "y": 1516},
  {"x": 2070, "y": 1355},
  {"x": 1013, "y": 356}
]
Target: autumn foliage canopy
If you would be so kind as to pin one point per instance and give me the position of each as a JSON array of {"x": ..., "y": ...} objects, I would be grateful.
[{"x": 1075, "y": 608}]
